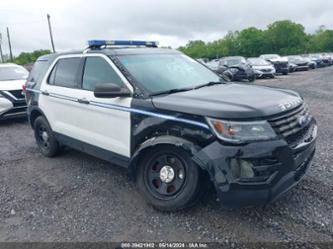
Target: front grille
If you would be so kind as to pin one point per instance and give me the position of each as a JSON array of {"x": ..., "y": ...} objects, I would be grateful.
[
  {"x": 279, "y": 65},
  {"x": 266, "y": 70},
  {"x": 17, "y": 94},
  {"x": 287, "y": 125},
  {"x": 302, "y": 64}
]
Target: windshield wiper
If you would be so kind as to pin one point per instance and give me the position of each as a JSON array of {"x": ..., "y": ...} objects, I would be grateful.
[
  {"x": 176, "y": 90},
  {"x": 211, "y": 83}
]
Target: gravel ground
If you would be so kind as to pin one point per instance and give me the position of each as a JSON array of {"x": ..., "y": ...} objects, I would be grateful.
[{"x": 76, "y": 197}]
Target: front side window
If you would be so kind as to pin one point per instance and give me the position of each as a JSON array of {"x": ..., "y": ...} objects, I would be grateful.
[
  {"x": 163, "y": 72},
  {"x": 65, "y": 73},
  {"x": 98, "y": 71}
]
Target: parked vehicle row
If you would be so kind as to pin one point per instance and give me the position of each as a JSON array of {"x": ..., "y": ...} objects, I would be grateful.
[{"x": 237, "y": 68}]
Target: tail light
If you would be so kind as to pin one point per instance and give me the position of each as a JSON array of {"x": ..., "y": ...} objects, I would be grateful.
[{"x": 24, "y": 88}]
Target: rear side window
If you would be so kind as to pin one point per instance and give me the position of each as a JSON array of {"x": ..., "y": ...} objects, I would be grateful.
[
  {"x": 98, "y": 71},
  {"x": 38, "y": 71},
  {"x": 65, "y": 73}
]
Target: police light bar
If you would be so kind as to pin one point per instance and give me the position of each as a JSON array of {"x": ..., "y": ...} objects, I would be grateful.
[{"x": 100, "y": 43}]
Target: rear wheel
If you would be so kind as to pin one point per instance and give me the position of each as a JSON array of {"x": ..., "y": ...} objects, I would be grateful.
[
  {"x": 45, "y": 138},
  {"x": 168, "y": 179}
]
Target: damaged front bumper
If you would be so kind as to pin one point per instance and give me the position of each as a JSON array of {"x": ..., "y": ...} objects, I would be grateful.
[{"x": 277, "y": 167}]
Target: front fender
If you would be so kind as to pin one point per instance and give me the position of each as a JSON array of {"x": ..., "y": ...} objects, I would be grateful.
[{"x": 161, "y": 140}]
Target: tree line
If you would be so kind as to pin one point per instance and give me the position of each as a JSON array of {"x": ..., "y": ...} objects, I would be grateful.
[
  {"x": 25, "y": 58},
  {"x": 281, "y": 37}
]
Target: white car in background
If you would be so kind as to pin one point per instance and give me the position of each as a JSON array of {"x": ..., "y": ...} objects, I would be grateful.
[
  {"x": 12, "y": 101},
  {"x": 262, "y": 67}
]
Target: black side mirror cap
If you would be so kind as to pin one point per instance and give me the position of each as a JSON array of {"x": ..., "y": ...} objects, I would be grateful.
[{"x": 111, "y": 91}]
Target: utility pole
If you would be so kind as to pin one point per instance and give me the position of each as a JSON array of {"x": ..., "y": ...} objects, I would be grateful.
[
  {"x": 10, "y": 46},
  {"x": 50, "y": 30},
  {"x": 1, "y": 54}
]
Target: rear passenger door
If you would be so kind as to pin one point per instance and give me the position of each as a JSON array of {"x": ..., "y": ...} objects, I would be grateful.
[
  {"x": 100, "y": 122},
  {"x": 58, "y": 98}
]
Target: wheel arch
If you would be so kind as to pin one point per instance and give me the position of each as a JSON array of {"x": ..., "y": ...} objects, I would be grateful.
[
  {"x": 34, "y": 114},
  {"x": 187, "y": 145}
]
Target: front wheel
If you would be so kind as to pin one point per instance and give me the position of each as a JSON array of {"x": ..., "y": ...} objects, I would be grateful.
[
  {"x": 252, "y": 78},
  {"x": 168, "y": 178},
  {"x": 45, "y": 138}
]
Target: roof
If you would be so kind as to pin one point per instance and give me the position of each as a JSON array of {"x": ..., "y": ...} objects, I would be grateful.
[{"x": 114, "y": 52}]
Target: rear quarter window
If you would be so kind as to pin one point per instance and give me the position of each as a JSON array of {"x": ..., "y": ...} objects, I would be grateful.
[{"x": 38, "y": 71}]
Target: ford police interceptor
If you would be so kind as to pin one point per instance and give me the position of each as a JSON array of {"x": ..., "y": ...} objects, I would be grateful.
[{"x": 171, "y": 121}]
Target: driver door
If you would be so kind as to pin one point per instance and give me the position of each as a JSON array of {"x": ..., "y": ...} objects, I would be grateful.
[{"x": 100, "y": 123}]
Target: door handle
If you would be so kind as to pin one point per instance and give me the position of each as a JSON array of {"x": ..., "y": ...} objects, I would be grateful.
[
  {"x": 83, "y": 101},
  {"x": 46, "y": 93}
]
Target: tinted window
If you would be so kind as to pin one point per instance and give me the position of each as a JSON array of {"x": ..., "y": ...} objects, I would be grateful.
[
  {"x": 38, "y": 71},
  {"x": 99, "y": 71},
  {"x": 65, "y": 73}
]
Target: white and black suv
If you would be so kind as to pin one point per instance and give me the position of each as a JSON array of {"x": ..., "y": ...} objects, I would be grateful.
[
  {"x": 170, "y": 121},
  {"x": 12, "y": 101}
]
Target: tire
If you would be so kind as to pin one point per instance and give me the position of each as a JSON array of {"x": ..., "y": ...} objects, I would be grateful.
[
  {"x": 251, "y": 79},
  {"x": 285, "y": 73},
  {"x": 173, "y": 193},
  {"x": 272, "y": 76},
  {"x": 45, "y": 138}
]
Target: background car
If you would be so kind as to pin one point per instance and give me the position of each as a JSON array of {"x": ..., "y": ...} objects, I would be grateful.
[
  {"x": 321, "y": 62},
  {"x": 262, "y": 68},
  {"x": 327, "y": 58},
  {"x": 280, "y": 64},
  {"x": 213, "y": 64},
  {"x": 12, "y": 101},
  {"x": 300, "y": 62},
  {"x": 237, "y": 68},
  {"x": 311, "y": 63},
  {"x": 315, "y": 58}
]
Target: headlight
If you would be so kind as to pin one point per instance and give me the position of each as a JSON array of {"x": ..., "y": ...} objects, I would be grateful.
[{"x": 241, "y": 132}]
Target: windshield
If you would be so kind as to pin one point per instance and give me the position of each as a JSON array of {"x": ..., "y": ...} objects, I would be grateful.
[
  {"x": 258, "y": 62},
  {"x": 13, "y": 73},
  {"x": 232, "y": 61},
  {"x": 163, "y": 72}
]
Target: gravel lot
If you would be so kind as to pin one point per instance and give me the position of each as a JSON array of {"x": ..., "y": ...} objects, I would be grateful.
[{"x": 76, "y": 197}]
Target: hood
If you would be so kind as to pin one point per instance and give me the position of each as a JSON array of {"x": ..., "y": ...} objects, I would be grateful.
[
  {"x": 9, "y": 85},
  {"x": 299, "y": 61},
  {"x": 230, "y": 101},
  {"x": 242, "y": 66},
  {"x": 256, "y": 67},
  {"x": 278, "y": 60}
]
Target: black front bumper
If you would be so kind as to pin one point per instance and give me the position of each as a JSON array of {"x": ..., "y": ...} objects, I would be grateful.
[
  {"x": 244, "y": 75},
  {"x": 277, "y": 166}
]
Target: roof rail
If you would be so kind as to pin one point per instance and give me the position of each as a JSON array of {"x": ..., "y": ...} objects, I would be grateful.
[{"x": 97, "y": 44}]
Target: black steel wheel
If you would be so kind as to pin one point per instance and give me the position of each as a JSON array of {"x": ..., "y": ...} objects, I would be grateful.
[
  {"x": 168, "y": 178},
  {"x": 45, "y": 138},
  {"x": 165, "y": 176}
]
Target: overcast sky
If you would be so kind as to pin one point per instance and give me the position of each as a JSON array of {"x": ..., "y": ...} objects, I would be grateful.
[{"x": 172, "y": 22}]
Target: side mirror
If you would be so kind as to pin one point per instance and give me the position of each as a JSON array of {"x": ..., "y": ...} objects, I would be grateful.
[{"x": 110, "y": 91}]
